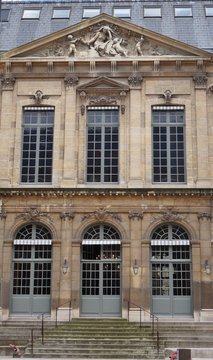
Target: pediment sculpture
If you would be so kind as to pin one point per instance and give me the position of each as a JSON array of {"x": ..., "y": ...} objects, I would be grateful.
[{"x": 105, "y": 40}]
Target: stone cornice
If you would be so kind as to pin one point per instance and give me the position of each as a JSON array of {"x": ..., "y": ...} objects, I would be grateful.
[{"x": 73, "y": 192}]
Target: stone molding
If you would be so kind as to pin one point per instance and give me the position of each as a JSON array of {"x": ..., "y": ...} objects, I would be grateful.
[
  {"x": 38, "y": 97},
  {"x": 204, "y": 216},
  {"x": 33, "y": 213},
  {"x": 135, "y": 215},
  {"x": 200, "y": 81}
]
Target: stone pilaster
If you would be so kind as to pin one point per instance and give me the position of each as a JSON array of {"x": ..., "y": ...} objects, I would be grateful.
[
  {"x": 205, "y": 241},
  {"x": 203, "y": 176}
]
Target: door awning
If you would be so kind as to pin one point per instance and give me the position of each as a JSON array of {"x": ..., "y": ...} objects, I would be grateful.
[
  {"x": 101, "y": 242},
  {"x": 170, "y": 242},
  {"x": 32, "y": 242}
]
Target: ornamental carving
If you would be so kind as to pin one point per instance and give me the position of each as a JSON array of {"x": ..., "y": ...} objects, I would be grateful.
[
  {"x": 7, "y": 82},
  {"x": 167, "y": 96},
  {"x": 102, "y": 99},
  {"x": 200, "y": 81},
  {"x": 3, "y": 213},
  {"x": 168, "y": 215},
  {"x": 32, "y": 214},
  {"x": 102, "y": 214},
  {"x": 70, "y": 81},
  {"x": 69, "y": 215},
  {"x": 135, "y": 215},
  {"x": 38, "y": 97},
  {"x": 135, "y": 80},
  {"x": 204, "y": 216},
  {"x": 105, "y": 40}
]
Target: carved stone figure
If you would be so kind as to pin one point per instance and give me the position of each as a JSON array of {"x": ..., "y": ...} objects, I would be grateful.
[
  {"x": 72, "y": 45},
  {"x": 138, "y": 46},
  {"x": 117, "y": 46},
  {"x": 102, "y": 41}
]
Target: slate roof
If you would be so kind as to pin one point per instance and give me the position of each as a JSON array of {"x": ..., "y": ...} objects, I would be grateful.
[{"x": 196, "y": 30}]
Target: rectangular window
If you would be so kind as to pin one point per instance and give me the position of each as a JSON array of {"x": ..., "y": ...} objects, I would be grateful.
[
  {"x": 61, "y": 13},
  {"x": 31, "y": 14},
  {"x": 5, "y": 15},
  {"x": 152, "y": 11},
  {"x": 37, "y": 146},
  {"x": 88, "y": 12},
  {"x": 183, "y": 12},
  {"x": 209, "y": 10},
  {"x": 122, "y": 12},
  {"x": 168, "y": 145},
  {"x": 102, "y": 145}
]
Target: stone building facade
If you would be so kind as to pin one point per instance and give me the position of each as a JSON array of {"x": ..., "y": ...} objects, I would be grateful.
[{"x": 106, "y": 174}]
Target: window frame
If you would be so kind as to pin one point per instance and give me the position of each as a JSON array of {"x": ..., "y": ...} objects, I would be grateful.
[
  {"x": 61, "y": 17},
  {"x": 32, "y": 17},
  {"x": 37, "y": 159},
  {"x": 176, "y": 8},
  {"x": 127, "y": 16},
  {"x": 171, "y": 146},
  {"x": 145, "y": 8},
  {"x": 98, "y": 9},
  {"x": 103, "y": 146}
]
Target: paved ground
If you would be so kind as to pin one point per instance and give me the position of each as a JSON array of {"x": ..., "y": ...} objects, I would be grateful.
[{"x": 10, "y": 357}]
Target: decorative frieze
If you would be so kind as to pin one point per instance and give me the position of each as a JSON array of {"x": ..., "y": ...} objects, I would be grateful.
[
  {"x": 102, "y": 214},
  {"x": 102, "y": 100}
]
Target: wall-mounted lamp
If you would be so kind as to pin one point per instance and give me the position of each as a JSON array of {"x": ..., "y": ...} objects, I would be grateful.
[
  {"x": 135, "y": 267},
  {"x": 207, "y": 267},
  {"x": 65, "y": 266}
]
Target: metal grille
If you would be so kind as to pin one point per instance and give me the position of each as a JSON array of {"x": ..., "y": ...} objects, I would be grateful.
[
  {"x": 168, "y": 146},
  {"x": 170, "y": 232},
  {"x": 102, "y": 143},
  {"x": 37, "y": 147}
]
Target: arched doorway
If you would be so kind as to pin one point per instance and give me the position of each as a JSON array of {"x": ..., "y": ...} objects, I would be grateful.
[
  {"x": 101, "y": 272},
  {"x": 31, "y": 285},
  {"x": 171, "y": 271}
]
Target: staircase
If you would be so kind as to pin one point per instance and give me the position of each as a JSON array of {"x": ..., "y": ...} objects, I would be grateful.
[{"x": 97, "y": 338}]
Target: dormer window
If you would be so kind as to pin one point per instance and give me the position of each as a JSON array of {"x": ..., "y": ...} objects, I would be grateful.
[
  {"x": 5, "y": 15},
  {"x": 31, "y": 14},
  {"x": 122, "y": 12},
  {"x": 152, "y": 11},
  {"x": 183, "y": 11},
  {"x": 90, "y": 12},
  {"x": 61, "y": 13}
]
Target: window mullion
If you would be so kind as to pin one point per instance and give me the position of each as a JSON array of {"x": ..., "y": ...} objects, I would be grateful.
[{"x": 103, "y": 149}]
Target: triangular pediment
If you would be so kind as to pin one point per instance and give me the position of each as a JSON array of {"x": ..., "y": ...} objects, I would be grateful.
[
  {"x": 103, "y": 84},
  {"x": 104, "y": 36}
]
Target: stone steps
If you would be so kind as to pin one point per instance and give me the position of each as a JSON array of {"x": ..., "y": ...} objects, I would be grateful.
[{"x": 101, "y": 338}]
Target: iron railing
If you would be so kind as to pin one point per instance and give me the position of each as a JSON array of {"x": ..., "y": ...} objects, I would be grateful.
[
  {"x": 153, "y": 318},
  {"x": 60, "y": 307}
]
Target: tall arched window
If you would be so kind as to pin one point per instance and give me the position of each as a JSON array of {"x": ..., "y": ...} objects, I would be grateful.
[
  {"x": 171, "y": 270},
  {"x": 32, "y": 254},
  {"x": 100, "y": 271}
]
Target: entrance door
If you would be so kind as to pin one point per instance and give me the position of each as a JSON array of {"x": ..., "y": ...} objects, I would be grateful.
[
  {"x": 171, "y": 272},
  {"x": 100, "y": 272},
  {"x": 31, "y": 271}
]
